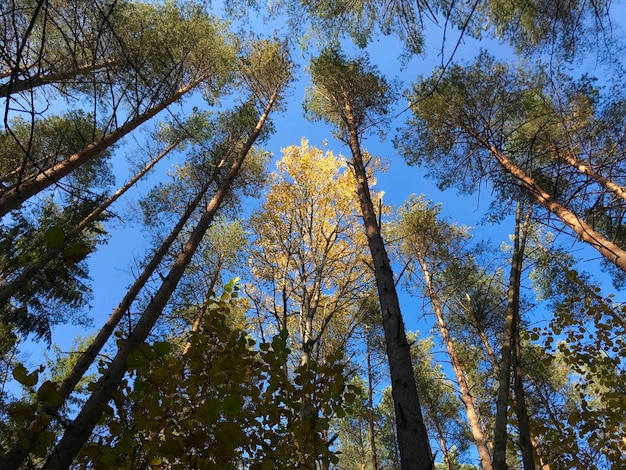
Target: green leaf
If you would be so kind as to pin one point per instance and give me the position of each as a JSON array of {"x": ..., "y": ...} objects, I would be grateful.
[
  {"x": 49, "y": 395},
  {"x": 22, "y": 376},
  {"x": 54, "y": 237},
  {"x": 232, "y": 405},
  {"x": 161, "y": 348}
]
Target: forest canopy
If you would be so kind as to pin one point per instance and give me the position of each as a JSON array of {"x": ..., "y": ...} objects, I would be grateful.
[{"x": 313, "y": 235}]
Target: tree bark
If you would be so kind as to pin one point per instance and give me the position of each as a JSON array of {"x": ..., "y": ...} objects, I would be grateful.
[
  {"x": 586, "y": 170},
  {"x": 19, "y": 452},
  {"x": 471, "y": 411},
  {"x": 415, "y": 452},
  {"x": 608, "y": 249},
  {"x": 525, "y": 439},
  {"x": 15, "y": 196},
  {"x": 82, "y": 427},
  {"x": 370, "y": 399},
  {"x": 512, "y": 309},
  {"x": 17, "y": 86}
]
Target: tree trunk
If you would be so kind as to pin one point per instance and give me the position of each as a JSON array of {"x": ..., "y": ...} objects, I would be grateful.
[
  {"x": 473, "y": 417},
  {"x": 82, "y": 427},
  {"x": 370, "y": 399},
  {"x": 8, "y": 89},
  {"x": 512, "y": 310},
  {"x": 19, "y": 452},
  {"x": 13, "y": 197},
  {"x": 586, "y": 170},
  {"x": 10, "y": 289},
  {"x": 415, "y": 453},
  {"x": 525, "y": 439},
  {"x": 608, "y": 249}
]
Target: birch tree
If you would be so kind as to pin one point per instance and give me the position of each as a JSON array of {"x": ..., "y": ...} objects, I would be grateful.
[{"x": 309, "y": 248}]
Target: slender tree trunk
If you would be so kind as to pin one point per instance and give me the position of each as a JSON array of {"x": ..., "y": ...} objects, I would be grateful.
[
  {"x": 82, "y": 427},
  {"x": 512, "y": 310},
  {"x": 19, "y": 452},
  {"x": 415, "y": 453},
  {"x": 13, "y": 197},
  {"x": 370, "y": 398},
  {"x": 586, "y": 170},
  {"x": 526, "y": 447},
  {"x": 473, "y": 416},
  {"x": 607, "y": 248},
  {"x": 10, "y": 289}
]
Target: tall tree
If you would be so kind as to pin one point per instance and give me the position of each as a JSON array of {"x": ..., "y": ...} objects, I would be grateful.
[
  {"x": 431, "y": 242},
  {"x": 309, "y": 247},
  {"x": 350, "y": 95},
  {"x": 489, "y": 116},
  {"x": 201, "y": 56},
  {"x": 508, "y": 340}
]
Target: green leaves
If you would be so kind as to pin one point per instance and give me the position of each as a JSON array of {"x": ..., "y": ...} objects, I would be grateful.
[
  {"x": 54, "y": 237},
  {"x": 221, "y": 400},
  {"x": 24, "y": 377}
]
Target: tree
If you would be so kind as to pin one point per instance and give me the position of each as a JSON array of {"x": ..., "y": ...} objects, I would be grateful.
[
  {"x": 202, "y": 55},
  {"x": 431, "y": 242},
  {"x": 67, "y": 236},
  {"x": 270, "y": 59},
  {"x": 489, "y": 117},
  {"x": 309, "y": 247},
  {"x": 351, "y": 96},
  {"x": 181, "y": 410}
]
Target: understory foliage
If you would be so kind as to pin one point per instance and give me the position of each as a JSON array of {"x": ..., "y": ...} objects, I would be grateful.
[{"x": 226, "y": 402}]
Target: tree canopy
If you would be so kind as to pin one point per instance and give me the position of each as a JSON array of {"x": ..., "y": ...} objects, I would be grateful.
[{"x": 209, "y": 214}]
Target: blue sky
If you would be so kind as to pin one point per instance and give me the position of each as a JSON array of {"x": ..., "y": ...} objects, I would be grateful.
[{"x": 113, "y": 267}]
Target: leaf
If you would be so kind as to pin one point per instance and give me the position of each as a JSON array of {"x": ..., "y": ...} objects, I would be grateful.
[
  {"x": 22, "y": 376},
  {"x": 54, "y": 237},
  {"x": 161, "y": 348},
  {"x": 76, "y": 252},
  {"x": 49, "y": 395}
]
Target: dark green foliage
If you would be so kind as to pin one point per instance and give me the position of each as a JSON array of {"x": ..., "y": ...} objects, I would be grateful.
[
  {"x": 56, "y": 294},
  {"x": 337, "y": 82},
  {"x": 226, "y": 402}
]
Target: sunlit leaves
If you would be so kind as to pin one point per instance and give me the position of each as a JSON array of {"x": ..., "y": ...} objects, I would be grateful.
[{"x": 220, "y": 404}]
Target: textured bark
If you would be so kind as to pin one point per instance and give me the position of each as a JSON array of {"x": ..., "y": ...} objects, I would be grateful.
[
  {"x": 607, "y": 248},
  {"x": 82, "y": 427},
  {"x": 370, "y": 399},
  {"x": 473, "y": 416},
  {"x": 13, "y": 197},
  {"x": 19, "y": 452},
  {"x": 415, "y": 452},
  {"x": 525, "y": 438},
  {"x": 512, "y": 311}
]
